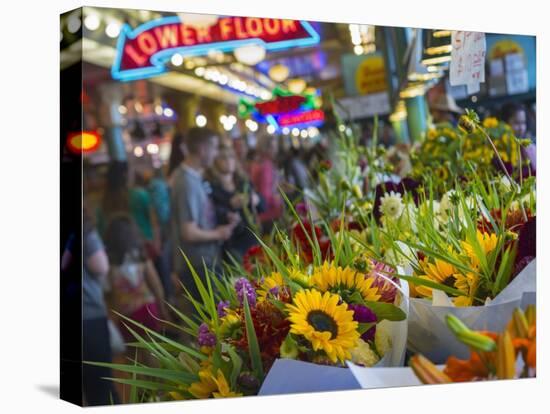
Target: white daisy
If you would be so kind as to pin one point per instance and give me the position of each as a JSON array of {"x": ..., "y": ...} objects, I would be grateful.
[{"x": 391, "y": 205}]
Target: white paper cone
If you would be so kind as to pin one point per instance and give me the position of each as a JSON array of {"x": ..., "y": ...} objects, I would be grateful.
[{"x": 428, "y": 331}]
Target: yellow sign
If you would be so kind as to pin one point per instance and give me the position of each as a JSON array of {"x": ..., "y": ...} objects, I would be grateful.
[
  {"x": 504, "y": 47},
  {"x": 370, "y": 76}
]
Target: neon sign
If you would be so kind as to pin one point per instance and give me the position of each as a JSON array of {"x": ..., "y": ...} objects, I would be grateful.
[
  {"x": 280, "y": 104},
  {"x": 312, "y": 117},
  {"x": 144, "y": 51},
  {"x": 285, "y": 109}
]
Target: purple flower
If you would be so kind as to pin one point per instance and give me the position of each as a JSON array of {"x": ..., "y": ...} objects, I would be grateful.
[
  {"x": 243, "y": 287},
  {"x": 527, "y": 246},
  {"x": 362, "y": 314},
  {"x": 301, "y": 209},
  {"x": 274, "y": 290},
  {"x": 205, "y": 337},
  {"x": 221, "y": 308}
]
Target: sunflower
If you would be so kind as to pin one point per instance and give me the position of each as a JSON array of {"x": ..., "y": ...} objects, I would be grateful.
[
  {"x": 223, "y": 389},
  {"x": 204, "y": 387},
  {"x": 490, "y": 122},
  {"x": 323, "y": 322},
  {"x": 440, "y": 272},
  {"x": 488, "y": 243},
  {"x": 299, "y": 277},
  {"x": 333, "y": 278},
  {"x": 468, "y": 284},
  {"x": 211, "y": 384}
]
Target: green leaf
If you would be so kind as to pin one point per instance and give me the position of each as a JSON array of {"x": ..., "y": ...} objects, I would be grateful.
[
  {"x": 386, "y": 311},
  {"x": 505, "y": 270},
  {"x": 432, "y": 284},
  {"x": 156, "y": 349},
  {"x": 148, "y": 385},
  {"x": 178, "y": 377},
  {"x": 364, "y": 327},
  {"x": 237, "y": 364},
  {"x": 193, "y": 325},
  {"x": 163, "y": 338},
  {"x": 133, "y": 388},
  {"x": 253, "y": 347}
]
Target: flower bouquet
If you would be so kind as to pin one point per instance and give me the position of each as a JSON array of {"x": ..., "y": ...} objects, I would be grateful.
[
  {"x": 469, "y": 253},
  {"x": 295, "y": 300}
]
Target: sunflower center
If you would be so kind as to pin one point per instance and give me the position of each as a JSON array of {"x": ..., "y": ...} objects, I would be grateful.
[
  {"x": 449, "y": 281},
  {"x": 323, "y": 322}
]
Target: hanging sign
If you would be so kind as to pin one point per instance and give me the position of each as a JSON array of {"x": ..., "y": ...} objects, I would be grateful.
[
  {"x": 467, "y": 59},
  {"x": 285, "y": 109},
  {"x": 281, "y": 104},
  {"x": 370, "y": 76},
  {"x": 313, "y": 117},
  {"x": 144, "y": 51}
]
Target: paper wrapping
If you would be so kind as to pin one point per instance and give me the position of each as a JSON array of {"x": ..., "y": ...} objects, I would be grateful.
[
  {"x": 288, "y": 376},
  {"x": 396, "y": 357},
  {"x": 428, "y": 331}
]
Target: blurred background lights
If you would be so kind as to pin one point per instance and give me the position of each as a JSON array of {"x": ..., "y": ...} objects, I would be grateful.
[
  {"x": 152, "y": 148},
  {"x": 73, "y": 23},
  {"x": 113, "y": 29},
  {"x": 200, "y": 120},
  {"x": 92, "y": 21},
  {"x": 177, "y": 59},
  {"x": 138, "y": 152}
]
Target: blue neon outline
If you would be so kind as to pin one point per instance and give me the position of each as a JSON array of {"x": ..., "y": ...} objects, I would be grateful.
[{"x": 159, "y": 59}]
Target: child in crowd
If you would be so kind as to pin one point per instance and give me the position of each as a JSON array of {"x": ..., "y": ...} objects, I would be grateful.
[{"x": 134, "y": 285}]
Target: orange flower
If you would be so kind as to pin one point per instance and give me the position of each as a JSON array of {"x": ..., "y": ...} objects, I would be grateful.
[
  {"x": 532, "y": 355},
  {"x": 460, "y": 370}
]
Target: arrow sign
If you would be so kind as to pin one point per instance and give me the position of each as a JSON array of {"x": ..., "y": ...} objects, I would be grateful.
[{"x": 144, "y": 51}]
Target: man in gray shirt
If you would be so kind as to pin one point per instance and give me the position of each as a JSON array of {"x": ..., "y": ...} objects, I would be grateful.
[{"x": 194, "y": 226}]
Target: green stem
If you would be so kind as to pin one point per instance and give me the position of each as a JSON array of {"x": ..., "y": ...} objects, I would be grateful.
[{"x": 512, "y": 181}]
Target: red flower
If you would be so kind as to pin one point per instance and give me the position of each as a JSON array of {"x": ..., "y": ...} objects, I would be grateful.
[
  {"x": 271, "y": 329},
  {"x": 348, "y": 225},
  {"x": 306, "y": 248},
  {"x": 325, "y": 165},
  {"x": 252, "y": 257}
]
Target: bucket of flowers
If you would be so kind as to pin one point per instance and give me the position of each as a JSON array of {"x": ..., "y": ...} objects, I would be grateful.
[{"x": 469, "y": 253}]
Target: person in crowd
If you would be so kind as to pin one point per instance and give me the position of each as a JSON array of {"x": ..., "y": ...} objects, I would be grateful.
[
  {"x": 265, "y": 178},
  {"x": 115, "y": 197},
  {"x": 134, "y": 285},
  {"x": 233, "y": 193},
  {"x": 387, "y": 135},
  {"x": 95, "y": 331},
  {"x": 159, "y": 192},
  {"x": 176, "y": 155},
  {"x": 194, "y": 226},
  {"x": 444, "y": 109},
  {"x": 296, "y": 171},
  {"x": 515, "y": 115},
  {"x": 142, "y": 211}
]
